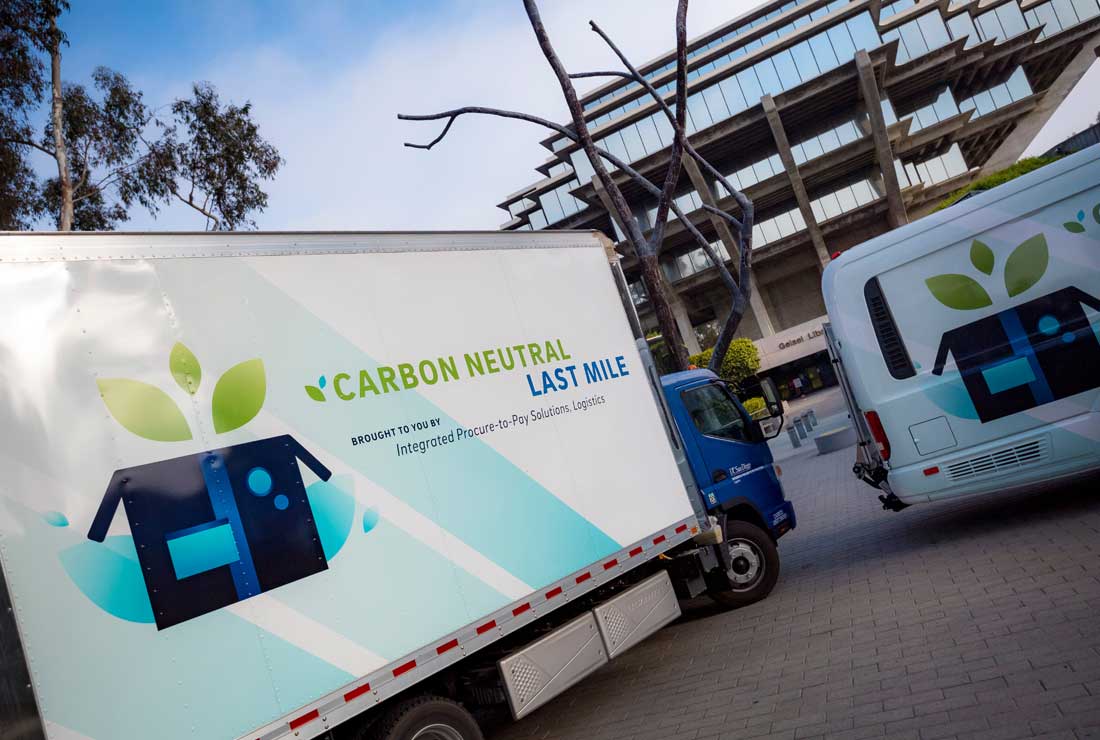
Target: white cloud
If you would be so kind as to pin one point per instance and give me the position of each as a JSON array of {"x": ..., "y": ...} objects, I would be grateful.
[
  {"x": 346, "y": 167},
  {"x": 1077, "y": 112}
]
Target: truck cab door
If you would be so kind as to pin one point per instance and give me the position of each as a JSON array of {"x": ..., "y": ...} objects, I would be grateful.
[{"x": 733, "y": 462}]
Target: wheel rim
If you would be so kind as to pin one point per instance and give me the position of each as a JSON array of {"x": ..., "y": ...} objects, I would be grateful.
[
  {"x": 747, "y": 562},
  {"x": 438, "y": 732}
]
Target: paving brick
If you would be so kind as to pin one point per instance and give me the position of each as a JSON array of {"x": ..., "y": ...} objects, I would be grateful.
[{"x": 973, "y": 618}]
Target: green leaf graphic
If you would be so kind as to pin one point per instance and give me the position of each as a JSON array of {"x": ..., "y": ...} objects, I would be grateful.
[
  {"x": 239, "y": 395},
  {"x": 1096, "y": 213},
  {"x": 1075, "y": 227},
  {"x": 981, "y": 256},
  {"x": 144, "y": 409},
  {"x": 315, "y": 393},
  {"x": 958, "y": 291},
  {"x": 1026, "y": 265},
  {"x": 185, "y": 368}
]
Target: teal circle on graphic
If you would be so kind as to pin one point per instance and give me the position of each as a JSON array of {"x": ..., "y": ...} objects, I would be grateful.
[
  {"x": 259, "y": 481},
  {"x": 281, "y": 502},
  {"x": 1068, "y": 337},
  {"x": 1049, "y": 325}
]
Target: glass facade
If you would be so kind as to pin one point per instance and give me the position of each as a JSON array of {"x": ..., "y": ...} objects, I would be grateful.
[
  {"x": 934, "y": 169},
  {"x": 713, "y": 101},
  {"x": 998, "y": 96},
  {"x": 842, "y": 200},
  {"x": 942, "y": 108},
  {"x": 919, "y": 36},
  {"x": 1059, "y": 15},
  {"x": 714, "y": 64},
  {"x": 690, "y": 263}
]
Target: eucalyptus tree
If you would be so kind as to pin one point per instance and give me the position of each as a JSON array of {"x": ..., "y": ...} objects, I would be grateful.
[
  {"x": 110, "y": 150},
  {"x": 645, "y": 247}
]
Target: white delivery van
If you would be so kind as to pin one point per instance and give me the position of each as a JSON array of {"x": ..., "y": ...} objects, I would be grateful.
[
  {"x": 291, "y": 485},
  {"x": 968, "y": 342}
]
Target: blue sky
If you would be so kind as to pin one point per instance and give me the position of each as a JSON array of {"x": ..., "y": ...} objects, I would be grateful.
[{"x": 326, "y": 79}]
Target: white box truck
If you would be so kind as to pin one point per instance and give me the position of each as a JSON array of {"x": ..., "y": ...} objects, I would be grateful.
[
  {"x": 967, "y": 343},
  {"x": 268, "y": 486}
]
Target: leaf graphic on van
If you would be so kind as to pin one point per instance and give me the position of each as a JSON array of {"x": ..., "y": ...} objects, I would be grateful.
[
  {"x": 144, "y": 409},
  {"x": 239, "y": 395},
  {"x": 185, "y": 368},
  {"x": 981, "y": 256},
  {"x": 1026, "y": 265},
  {"x": 958, "y": 291}
]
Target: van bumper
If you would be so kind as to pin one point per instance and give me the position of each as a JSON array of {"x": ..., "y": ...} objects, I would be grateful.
[{"x": 1056, "y": 452}]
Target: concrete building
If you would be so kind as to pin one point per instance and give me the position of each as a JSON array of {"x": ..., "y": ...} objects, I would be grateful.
[{"x": 840, "y": 120}]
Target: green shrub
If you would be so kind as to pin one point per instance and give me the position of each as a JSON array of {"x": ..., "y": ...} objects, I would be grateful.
[
  {"x": 1022, "y": 167},
  {"x": 742, "y": 360},
  {"x": 754, "y": 405}
]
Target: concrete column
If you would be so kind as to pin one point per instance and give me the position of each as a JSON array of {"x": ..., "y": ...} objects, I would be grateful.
[
  {"x": 868, "y": 87},
  {"x": 705, "y": 187},
  {"x": 786, "y": 156},
  {"x": 680, "y": 313}
]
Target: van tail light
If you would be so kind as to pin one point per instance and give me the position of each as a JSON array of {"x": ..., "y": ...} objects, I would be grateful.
[{"x": 879, "y": 434}]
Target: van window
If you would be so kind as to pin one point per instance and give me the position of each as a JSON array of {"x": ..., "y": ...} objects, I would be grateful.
[
  {"x": 886, "y": 332},
  {"x": 715, "y": 413}
]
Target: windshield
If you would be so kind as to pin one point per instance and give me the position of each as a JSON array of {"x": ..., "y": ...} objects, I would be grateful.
[{"x": 715, "y": 413}]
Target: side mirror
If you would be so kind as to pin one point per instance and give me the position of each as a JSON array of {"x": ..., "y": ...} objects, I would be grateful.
[
  {"x": 772, "y": 400},
  {"x": 769, "y": 427}
]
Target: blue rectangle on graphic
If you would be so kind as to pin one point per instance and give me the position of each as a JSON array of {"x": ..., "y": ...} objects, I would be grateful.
[
  {"x": 1010, "y": 374},
  {"x": 199, "y": 549}
]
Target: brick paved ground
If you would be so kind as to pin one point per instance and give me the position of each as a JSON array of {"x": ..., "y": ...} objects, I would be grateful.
[{"x": 978, "y": 618}]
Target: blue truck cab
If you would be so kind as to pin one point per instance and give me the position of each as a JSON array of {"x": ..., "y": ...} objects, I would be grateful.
[{"x": 737, "y": 478}]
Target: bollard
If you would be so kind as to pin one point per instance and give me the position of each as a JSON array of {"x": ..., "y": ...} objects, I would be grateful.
[
  {"x": 800, "y": 427},
  {"x": 794, "y": 437},
  {"x": 805, "y": 417},
  {"x": 813, "y": 417}
]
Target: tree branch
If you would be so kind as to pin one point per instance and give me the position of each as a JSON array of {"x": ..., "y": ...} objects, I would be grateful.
[
  {"x": 743, "y": 203},
  {"x": 26, "y": 142},
  {"x": 744, "y": 291},
  {"x": 672, "y": 175}
]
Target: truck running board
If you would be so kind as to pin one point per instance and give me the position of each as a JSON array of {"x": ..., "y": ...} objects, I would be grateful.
[{"x": 537, "y": 673}]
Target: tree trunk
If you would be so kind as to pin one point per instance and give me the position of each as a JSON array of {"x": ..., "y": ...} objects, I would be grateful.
[
  {"x": 666, "y": 321},
  {"x": 65, "y": 181}
]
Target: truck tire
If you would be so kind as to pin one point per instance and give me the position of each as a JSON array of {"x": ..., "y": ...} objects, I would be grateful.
[
  {"x": 426, "y": 718},
  {"x": 755, "y": 565}
]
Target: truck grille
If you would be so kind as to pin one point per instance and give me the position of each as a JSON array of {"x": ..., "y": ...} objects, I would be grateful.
[{"x": 1022, "y": 455}]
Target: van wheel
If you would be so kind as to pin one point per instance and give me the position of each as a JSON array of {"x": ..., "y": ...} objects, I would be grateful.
[
  {"x": 426, "y": 718},
  {"x": 755, "y": 566}
]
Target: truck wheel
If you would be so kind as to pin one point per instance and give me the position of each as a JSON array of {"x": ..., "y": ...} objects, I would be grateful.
[
  {"x": 426, "y": 718},
  {"x": 755, "y": 566}
]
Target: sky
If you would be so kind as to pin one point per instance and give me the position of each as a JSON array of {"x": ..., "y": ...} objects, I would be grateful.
[{"x": 327, "y": 79}]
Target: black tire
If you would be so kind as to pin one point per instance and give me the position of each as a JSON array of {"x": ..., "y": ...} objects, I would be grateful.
[
  {"x": 756, "y": 559},
  {"x": 426, "y": 718}
]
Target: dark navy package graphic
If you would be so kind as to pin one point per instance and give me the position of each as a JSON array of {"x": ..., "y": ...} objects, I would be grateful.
[
  {"x": 218, "y": 527},
  {"x": 1035, "y": 353}
]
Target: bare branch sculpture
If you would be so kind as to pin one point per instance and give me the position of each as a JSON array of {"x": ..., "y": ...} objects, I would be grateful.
[{"x": 645, "y": 249}]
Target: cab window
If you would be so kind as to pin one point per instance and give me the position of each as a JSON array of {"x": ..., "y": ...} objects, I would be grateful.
[{"x": 715, "y": 413}]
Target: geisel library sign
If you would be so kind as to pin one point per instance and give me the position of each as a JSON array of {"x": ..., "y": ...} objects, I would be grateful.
[{"x": 792, "y": 344}]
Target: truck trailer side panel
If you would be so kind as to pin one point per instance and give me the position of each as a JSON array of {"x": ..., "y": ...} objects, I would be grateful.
[{"x": 249, "y": 478}]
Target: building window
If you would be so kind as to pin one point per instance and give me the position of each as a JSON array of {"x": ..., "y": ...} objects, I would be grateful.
[
  {"x": 919, "y": 36},
  {"x": 961, "y": 26},
  {"x": 998, "y": 96}
]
